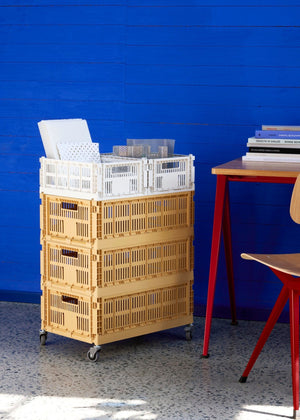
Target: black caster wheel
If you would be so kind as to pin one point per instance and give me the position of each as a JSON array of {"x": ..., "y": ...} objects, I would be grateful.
[
  {"x": 189, "y": 332},
  {"x": 93, "y": 353},
  {"x": 188, "y": 335},
  {"x": 43, "y": 337}
]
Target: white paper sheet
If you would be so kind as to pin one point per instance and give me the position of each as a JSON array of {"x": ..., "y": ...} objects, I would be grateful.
[{"x": 62, "y": 131}]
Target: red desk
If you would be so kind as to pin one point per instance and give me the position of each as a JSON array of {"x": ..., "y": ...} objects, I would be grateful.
[{"x": 236, "y": 170}]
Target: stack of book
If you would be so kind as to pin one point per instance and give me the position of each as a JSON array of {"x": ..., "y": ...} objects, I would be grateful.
[{"x": 274, "y": 143}]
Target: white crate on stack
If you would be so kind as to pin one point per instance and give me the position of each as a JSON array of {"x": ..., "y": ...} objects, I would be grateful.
[
  {"x": 85, "y": 174},
  {"x": 108, "y": 179},
  {"x": 117, "y": 177}
]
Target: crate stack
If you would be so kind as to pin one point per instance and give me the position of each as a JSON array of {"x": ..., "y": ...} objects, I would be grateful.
[{"x": 115, "y": 264}]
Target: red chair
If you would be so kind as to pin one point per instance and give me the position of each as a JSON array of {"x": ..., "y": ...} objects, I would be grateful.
[{"x": 287, "y": 268}]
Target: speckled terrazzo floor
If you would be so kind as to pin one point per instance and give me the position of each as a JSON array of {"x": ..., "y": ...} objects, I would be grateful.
[{"x": 158, "y": 376}]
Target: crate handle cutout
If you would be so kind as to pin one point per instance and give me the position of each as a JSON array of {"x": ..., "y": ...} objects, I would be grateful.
[
  {"x": 170, "y": 165},
  {"x": 69, "y": 299},
  {"x": 69, "y": 253},
  {"x": 120, "y": 169},
  {"x": 69, "y": 206}
]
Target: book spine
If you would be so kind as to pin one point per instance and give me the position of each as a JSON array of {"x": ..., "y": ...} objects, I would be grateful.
[
  {"x": 281, "y": 127},
  {"x": 282, "y": 150},
  {"x": 274, "y": 155},
  {"x": 258, "y": 140},
  {"x": 275, "y": 145},
  {"x": 277, "y": 134},
  {"x": 274, "y": 158}
]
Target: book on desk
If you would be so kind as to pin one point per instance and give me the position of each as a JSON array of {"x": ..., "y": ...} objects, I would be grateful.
[{"x": 274, "y": 144}]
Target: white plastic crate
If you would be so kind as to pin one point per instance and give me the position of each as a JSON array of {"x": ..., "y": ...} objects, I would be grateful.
[
  {"x": 112, "y": 178},
  {"x": 175, "y": 173},
  {"x": 117, "y": 177}
]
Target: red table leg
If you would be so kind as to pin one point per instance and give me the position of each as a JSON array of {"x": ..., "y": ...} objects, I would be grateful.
[
  {"x": 221, "y": 191},
  {"x": 222, "y": 222},
  {"x": 228, "y": 255}
]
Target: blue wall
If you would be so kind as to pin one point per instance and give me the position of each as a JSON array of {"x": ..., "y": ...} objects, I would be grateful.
[{"x": 205, "y": 73}]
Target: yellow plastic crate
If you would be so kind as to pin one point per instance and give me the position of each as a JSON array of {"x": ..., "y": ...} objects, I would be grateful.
[
  {"x": 85, "y": 269},
  {"x": 106, "y": 319},
  {"x": 84, "y": 221}
]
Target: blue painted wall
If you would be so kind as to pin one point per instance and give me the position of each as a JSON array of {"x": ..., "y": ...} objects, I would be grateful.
[{"x": 205, "y": 73}]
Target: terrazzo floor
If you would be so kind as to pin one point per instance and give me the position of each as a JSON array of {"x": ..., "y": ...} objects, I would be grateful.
[{"x": 152, "y": 377}]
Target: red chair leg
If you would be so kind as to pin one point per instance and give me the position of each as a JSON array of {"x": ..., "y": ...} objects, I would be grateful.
[
  {"x": 276, "y": 311},
  {"x": 294, "y": 328}
]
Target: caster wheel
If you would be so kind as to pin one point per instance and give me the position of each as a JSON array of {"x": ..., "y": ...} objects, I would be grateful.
[
  {"x": 189, "y": 332},
  {"x": 188, "y": 335},
  {"x": 43, "y": 338},
  {"x": 93, "y": 355}
]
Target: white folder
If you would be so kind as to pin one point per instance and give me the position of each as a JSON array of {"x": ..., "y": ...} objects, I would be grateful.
[{"x": 62, "y": 131}]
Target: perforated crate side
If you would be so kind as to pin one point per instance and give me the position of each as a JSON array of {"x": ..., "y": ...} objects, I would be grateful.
[
  {"x": 146, "y": 214},
  {"x": 192, "y": 256},
  {"x": 191, "y": 297},
  {"x": 117, "y": 317},
  {"x": 141, "y": 262},
  {"x": 122, "y": 178},
  {"x": 62, "y": 177},
  {"x": 145, "y": 308},
  {"x": 192, "y": 207},
  {"x": 73, "y": 267},
  {"x": 171, "y": 174},
  {"x": 110, "y": 178},
  {"x": 84, "y": 221},
  {"x": 88, "y": 268},
  {"x": 63, "y": 217},
  {"x": 117, "y": 178},
  {"x": 69, "y": 314}
]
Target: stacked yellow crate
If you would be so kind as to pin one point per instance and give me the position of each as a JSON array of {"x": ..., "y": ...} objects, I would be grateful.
[{"x": 115, "y": 269}]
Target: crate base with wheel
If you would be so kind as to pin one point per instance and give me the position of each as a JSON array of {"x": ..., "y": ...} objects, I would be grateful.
[{"x": 111, "y": 315}]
